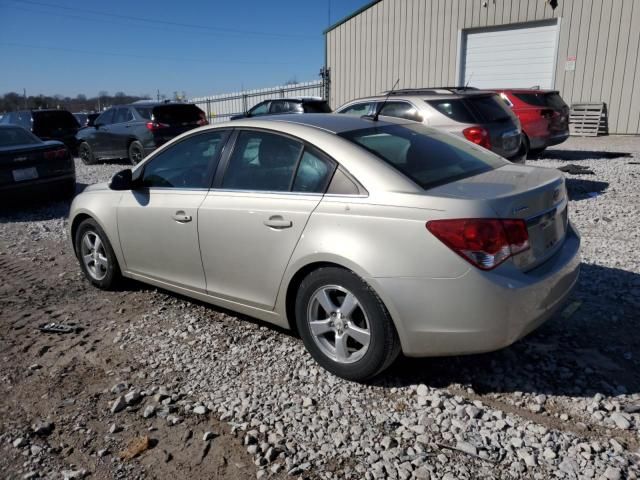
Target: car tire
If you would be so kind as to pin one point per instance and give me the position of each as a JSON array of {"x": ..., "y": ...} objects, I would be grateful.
[
  {"x": 101, "y": 269},
  {"x": 341, "y": 348},
  {"x": 136, "y": 152},
  {"x": 536, "y": 152},
  {"x": 86, "y": 154}
]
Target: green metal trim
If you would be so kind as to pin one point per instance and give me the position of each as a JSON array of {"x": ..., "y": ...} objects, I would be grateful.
[{"x": 349, "y": 17}]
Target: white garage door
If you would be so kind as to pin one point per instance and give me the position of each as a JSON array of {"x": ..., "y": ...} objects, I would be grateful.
[{"x": 510, "y": 57}]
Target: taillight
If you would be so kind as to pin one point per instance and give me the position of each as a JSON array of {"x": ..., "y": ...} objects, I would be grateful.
[
  {"x": 54, "y": 154},
  {"x": 478, "y": 135},
  {"x": 203, "y": 119},
  {"x": 485, "y": 243},
  {"x": 156, "y": 125}
]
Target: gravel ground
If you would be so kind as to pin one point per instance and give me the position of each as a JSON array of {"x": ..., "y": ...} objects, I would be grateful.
[{"x": 562, "y": 403}]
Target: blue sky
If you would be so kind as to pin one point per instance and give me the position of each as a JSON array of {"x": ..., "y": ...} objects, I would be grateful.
[{"x": 138, "y": 46}]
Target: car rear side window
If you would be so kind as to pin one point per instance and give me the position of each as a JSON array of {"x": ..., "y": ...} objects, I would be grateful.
[
  {"x": 313, "y": 174},
  {"x": 455, "y": 109},
  {"x": 123, "y": 115},
  {"x": 401, "y": 110},
  {"x": 428, "y": 157},
  {"x": 262, "y": 161},
  {"x": 144, "y": 112},
  {"x": 186, "y": 164}
]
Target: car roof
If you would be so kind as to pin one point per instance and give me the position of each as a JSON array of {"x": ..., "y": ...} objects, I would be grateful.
[
  {"x": 426, "y": 94},
  {"x": 524, "y": 90},
  {"x": 330, "y": 122}
]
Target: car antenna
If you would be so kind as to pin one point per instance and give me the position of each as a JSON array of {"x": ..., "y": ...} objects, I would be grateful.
[
  {"x": 466, "y": 85},
  {"x": 379, "y": 109}
]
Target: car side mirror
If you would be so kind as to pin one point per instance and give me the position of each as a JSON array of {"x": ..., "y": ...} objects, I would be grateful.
[{"x": 123, "y": 180}]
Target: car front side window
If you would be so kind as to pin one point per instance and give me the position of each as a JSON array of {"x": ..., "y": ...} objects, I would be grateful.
[
  {"x": 106, "y": 118},
  {"x": 186, "y": 164},
  {"x": 357, "y": 109},
  {"x": 260, "y": 109}
]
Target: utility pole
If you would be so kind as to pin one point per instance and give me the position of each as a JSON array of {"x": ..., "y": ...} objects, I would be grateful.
[
  {"x": 24, "y": 94},
  {"x": 158, "y": 94},
  {"x": 328, "y": 13}
]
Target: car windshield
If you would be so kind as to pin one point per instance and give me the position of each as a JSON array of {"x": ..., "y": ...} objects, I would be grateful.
[
  {"x": 11, "y": 137},
  {"x": 428, "y": 157}
]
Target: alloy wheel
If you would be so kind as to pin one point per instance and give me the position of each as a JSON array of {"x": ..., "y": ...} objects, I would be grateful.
[
  {"x": 94, "y": 255},
  {"x": 339, "y": 324}
]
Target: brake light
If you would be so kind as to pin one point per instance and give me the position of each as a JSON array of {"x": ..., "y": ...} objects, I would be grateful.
[
  {"x": 55, "y": 154},
  {"x": 156, "y": 125},
  {"x": 203, "y": 119},
  {"x": 485, "y": 243},
  {"x": 478, "y": 135}
]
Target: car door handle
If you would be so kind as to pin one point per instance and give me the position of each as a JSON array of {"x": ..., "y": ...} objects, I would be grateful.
[
  {"x": 277, "y": 221},
  {"x": 181, "y": 217}
]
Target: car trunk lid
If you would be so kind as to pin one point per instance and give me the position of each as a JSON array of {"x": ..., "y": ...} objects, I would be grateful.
[
  {"x": 174, "y": 119},
  {"x": 536, "y": 195}
]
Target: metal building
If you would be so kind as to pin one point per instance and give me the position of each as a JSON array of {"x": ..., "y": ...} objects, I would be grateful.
[{"x": 586, "y": 49}]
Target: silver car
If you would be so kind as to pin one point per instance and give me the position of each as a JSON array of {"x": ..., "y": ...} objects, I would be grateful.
[
  {"x": 367, "y": 237},
  {"x": 481, "y": 117}
]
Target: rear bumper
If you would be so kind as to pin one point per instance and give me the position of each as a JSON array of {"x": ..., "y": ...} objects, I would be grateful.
[
  {"x": 557, "y": 138},
  {"x": 479, "y": 311},
  {"x": 48, "y": 185},
  {"x": 548, "y": 140}
]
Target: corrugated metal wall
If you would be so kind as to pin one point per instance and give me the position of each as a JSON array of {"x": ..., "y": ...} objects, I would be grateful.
[{"x": 417, "y": 41}]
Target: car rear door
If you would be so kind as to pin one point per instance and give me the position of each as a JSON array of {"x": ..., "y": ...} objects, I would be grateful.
[
  {"x": 120, "y": 132},
  {"x": 158, "y": 220},
  {"x": 251, "y": 221}
]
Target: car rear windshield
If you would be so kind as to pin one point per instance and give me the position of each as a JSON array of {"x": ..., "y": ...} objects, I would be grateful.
[
  {"x": 541, "y": 99},
  {"x": 428, "y": 157},
  {"x": 177, "y": 114},
  {"x": 47, "y": 120},
  {"x": 11, "y": 137},
  {"x": 316, "y": 107},
  {"x": 490, "y": 108}
]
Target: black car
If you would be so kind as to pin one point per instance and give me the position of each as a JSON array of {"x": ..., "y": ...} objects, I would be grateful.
[
  {"x": 133, "y": 131},
  {"x": 46, "y": 124},
  {"x": 86, "y": 119},
  {"x": 29, "y": 165},
  {"x": 287, "y": 105}
]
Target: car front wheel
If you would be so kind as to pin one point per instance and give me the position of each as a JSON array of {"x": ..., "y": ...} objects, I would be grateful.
[
  {"x": 136, "y": 152},
  {"x": 86, "y": 154},
  {"x": 95, "y": 254},
  {"x": 344, "y": 324}
]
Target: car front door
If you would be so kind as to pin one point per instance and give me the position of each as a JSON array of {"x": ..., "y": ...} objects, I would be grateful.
[
  {"x": 158, "y": 220},
  {"x": 250, "y": 222},
  {"x": 120, "y": 132},
  {"x": 100, "y": 140}
]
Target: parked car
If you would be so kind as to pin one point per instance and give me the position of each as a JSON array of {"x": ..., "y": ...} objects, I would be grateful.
[
  {"x": 369, "y": 237},
  {"x": 134, "y": 131},
  {"x": 477, "y": 115},
  {"x": 287, "y": 105},
  {"x": 543, "y": 114},
  {"x": 29, "y": 165},
  {"x": 47, "y": 125}
]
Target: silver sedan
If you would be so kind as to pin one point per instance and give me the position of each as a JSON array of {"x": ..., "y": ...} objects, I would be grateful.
[{"x": 369, "y": 237}]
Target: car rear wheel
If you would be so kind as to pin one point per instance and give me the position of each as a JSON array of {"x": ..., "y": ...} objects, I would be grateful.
[
  {"x": 136, "y": 152},
  {"x": 95, "y": 254},
  {"x": 344, "y": 324},
  {"x": 86, "y": 154},
  {"x": 536, "y": 152}
]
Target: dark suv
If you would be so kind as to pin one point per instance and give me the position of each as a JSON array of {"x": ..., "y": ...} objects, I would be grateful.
[
  {"x": 133, "y": 131},
  {"x": 287, "y": 105},
  {"x": 46, "y": 125}
]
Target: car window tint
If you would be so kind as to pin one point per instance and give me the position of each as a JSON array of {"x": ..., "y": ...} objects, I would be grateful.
[
  {"x": 316, "y": 107},
  {"x": 122, "y": 115},
  {"x": 401, "y": 110},
  {"x": 313, "y": 173},
  {"x": 260, "y": 109},
  {"x": 428, "y": 157},
  {"x": 262, "y": 161},
  {"x": 10, "y": 137},
  {"x": 490, "y": 108},
  {"x": 455, "y": 109},
  {"x": 358, "y": 109},
  {"x": 145, "y": 112},
  {"x": 187, "y": 164},
  {"x": 279, "y": 106},
  {"x": 105, "y": 118}
]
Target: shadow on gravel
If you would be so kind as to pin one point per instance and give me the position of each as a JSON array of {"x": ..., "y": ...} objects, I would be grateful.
[
  {"x": 595, "y": 350},
  {"x": 580, "y": 189},
  {"x": 35, "y": 208},
  {"x": 582, "y": 155}
]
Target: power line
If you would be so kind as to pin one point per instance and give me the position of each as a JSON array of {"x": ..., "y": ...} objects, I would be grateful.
[
  {"x": 147, "y": 57},
  {"x": 162, "y": 22}
]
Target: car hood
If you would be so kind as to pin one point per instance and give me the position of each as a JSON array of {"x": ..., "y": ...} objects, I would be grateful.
[{"x": 97, "y": 187}]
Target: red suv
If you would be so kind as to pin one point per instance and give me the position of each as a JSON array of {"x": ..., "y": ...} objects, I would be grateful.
[{"x": 543, "y": 115}]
